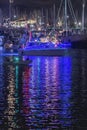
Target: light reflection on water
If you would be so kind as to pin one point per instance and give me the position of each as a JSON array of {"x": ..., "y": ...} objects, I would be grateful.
[{"x": 51, "y": 94}]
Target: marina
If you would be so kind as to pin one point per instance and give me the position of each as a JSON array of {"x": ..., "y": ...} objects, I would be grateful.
[{"x": 43, "y": 65}]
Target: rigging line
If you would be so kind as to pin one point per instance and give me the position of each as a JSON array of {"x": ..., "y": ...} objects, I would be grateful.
[
  {"x": 59, "y": 11},
  {"x": 82, "y": 1},
  {"x": 72, "y": 11}
]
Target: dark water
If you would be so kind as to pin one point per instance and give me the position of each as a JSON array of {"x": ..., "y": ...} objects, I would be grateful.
[{"x": 51, "y": 94}]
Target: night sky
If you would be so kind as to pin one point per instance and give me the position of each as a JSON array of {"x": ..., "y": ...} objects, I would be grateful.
[{"x": 37, "y": 3}]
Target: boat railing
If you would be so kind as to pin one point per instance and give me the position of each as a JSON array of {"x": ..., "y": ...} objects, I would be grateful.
[{"x": 48, "y": 45}]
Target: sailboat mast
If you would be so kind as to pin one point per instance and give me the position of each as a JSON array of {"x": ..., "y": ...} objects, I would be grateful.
[
  {"x": 54, "y": 21},
  {"x": 83, "y": 14},
  {"x": 65, "y": 10}
]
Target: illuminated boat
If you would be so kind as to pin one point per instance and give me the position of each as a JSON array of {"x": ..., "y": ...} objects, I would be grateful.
[
  {"x": 45, "y": 49},
  {"x": 41, "y": 43},
  {"x": 44, "y": 39}
]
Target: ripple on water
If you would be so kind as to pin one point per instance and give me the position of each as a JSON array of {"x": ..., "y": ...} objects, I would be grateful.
[{"x": 52, "y": 94}]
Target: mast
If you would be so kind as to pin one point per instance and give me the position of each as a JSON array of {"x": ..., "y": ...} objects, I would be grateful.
[
  {"x": 65, "y": 10},
  {"x": 10, "y": 9},
  {"x": 83, "y": 14},
  {"x": 47, "y": 17},
  {"x": 54, "y": 21},
  {"x": 42, "y": 17},
  {"x": 1, "y": 16}
]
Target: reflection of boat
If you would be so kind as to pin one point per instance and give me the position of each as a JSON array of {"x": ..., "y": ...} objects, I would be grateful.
[{"x": 16, "y": 61}]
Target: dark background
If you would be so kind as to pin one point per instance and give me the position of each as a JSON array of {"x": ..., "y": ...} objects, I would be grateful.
[{"x": 38, "y": 3}]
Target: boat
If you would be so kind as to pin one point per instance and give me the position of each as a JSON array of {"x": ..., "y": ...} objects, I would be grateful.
[
  {"x": 78, "y": 35},
  {"x": 43, "y": 43},
  {"x": 77, "y": 41},
  {"x": 45, "y": 46},
  {"x": 9, "y": 54}
]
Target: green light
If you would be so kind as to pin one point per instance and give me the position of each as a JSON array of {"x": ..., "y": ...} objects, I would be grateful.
[{"x": 16, "y": 59}]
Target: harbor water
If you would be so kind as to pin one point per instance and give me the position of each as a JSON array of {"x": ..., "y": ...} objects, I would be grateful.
[{"x": 50, "y": 93}]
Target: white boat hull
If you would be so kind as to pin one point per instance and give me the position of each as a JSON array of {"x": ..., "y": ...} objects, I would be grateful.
[{"x": 45, "y": 52}]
